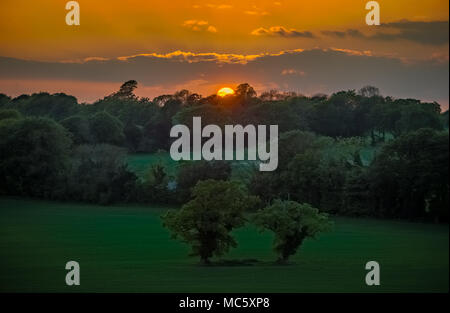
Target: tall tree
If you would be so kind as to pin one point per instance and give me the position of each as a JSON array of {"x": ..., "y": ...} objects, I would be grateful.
[
  {"x": 34, "y": 156},
  {"x": 106, "y": 128},
  {"x": 292, "y": 223},
  {"x": 409, "y": 178},
  {"x": 207, "y": 220}
]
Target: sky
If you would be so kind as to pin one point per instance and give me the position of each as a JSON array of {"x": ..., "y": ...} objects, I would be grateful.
[{"x": 310, "y": 47}]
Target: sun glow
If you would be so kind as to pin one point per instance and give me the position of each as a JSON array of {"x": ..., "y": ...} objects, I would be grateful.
[{"x": 225, "y": 91}]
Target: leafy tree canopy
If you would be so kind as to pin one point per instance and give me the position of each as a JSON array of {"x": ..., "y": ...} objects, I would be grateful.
[
  {"x": 206, "y": 221},
  {"x": 292, "y": 223}
]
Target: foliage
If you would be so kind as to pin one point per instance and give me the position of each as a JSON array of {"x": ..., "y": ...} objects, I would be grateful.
[
  {"x": 191, "y": 172},
  {"x": 292, "y": 223},
  {"x": 156, "y": 186},
  {"x": 10, "y": 113},
  {"x": 126, "y": 91},
  {"x": 78, "y": 127},
  {"x": 99, "y": 174},
  {"x": 133, "y": 136},
  {"x": 206, "y": 221},
  {"x": 445, "y": 119},
  {"x": 34, "y": 155},
  {"x": 56, "y": 106},
  {"x": 278, "y": 113},
  {"x": 327, "y": 145},
  {"x": 409, "y": 178},
  {"x": 4, "y": 100},
  {"x": 106, "y": 128}
]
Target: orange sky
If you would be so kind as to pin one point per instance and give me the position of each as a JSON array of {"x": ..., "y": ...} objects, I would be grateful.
[
  {"x": 111, "y": 28},
  {"x": 36, "y": 31}
]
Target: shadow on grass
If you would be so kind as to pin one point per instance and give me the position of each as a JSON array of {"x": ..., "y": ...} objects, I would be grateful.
[{"x": 243, "y": 262}]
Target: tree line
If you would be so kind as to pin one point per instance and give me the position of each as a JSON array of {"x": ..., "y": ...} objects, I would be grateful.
[{"x": 352, "y": 153}]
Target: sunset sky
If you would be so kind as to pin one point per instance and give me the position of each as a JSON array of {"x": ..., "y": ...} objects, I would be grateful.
[{"x": 304, "y": 46}]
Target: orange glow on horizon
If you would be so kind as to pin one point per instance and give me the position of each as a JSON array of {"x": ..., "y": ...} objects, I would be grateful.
[{"x": 225, "y": 91}]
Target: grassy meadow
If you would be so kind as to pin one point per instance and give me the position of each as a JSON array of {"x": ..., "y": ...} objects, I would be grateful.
[
  {"x": 139, "y": 163},
  {"x": 126, "y": 249}
]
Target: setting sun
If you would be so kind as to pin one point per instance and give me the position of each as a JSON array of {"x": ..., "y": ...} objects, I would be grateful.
[{"x": 225, "y": 91}]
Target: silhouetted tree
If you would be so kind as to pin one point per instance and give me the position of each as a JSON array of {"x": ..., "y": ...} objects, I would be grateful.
[
  {"x": 409, "y": 178},
  {"x": 106, "y": 128},
  {"x": 78, "y": 127},
  {"x": 34, "y": 156},
  {"x": 369, "y": 91}
]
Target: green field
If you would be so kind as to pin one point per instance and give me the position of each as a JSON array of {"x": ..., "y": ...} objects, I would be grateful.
[
  {"x": 125, "y": 248},
  {"x": 140, "y": 163}
]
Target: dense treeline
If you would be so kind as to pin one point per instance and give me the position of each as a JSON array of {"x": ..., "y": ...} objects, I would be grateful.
[
  {"x": 408, "y": 177},
  {"x": 353, "y": 153}
]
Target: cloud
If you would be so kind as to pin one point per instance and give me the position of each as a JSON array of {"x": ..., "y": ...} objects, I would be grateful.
[
  {"x": 431, "y": 33},
  {"x": 291, "y": 71},
  {"x": 353, "y": 52},
  {"x": 199, "y": 25},
  {"x": 334, "y": 33},
  {"x": 428, "y": 33},
  {"x": 256, "y": 12},
  {"x": 326, "y": 71},
  {"x": 342, "y": 34},
  {"x": 219, "y": 6},
  {"x": 280, "y": 31},
  {"x": 214, "y": 6},
  {"x": 212, "y": 29},
  {"x": 191, "y": 57}
]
